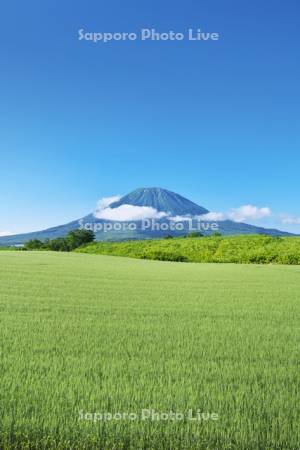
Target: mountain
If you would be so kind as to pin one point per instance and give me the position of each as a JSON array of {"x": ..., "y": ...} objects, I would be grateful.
[{"x": 156, "y": 199}]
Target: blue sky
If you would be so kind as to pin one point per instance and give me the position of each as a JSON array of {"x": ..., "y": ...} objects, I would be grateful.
[{"x": 217, "y": 122}]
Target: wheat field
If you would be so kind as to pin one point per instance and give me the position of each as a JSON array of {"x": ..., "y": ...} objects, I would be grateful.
[{"x": 102, "y": 352}]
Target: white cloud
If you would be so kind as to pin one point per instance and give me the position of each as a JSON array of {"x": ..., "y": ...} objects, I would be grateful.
[
  {"x": 249, "y": 212},
  {"x": 180, "y": 218},
  {"x": 135, "y": 213},
  {"x": 125, "y": 213},
  {"x": 289, "y": 219},
  {"x": 213, "y": 216},
  {"x": 5, "y": 233},
  {"x": 241, "y": 214},
  {"x": 130, "y": 212},
  {"x": 106, "y": 201}
]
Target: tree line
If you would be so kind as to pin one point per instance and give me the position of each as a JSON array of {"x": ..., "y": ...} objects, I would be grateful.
[{"x": 73, "y": 240}]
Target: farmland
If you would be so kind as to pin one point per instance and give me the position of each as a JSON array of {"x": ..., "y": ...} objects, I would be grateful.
[{"x": 85, "y": 335}]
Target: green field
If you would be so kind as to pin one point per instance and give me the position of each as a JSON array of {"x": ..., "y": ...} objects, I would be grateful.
[
  {"x": 98, "y": 334},
  {"x": 257, "y": 249}
]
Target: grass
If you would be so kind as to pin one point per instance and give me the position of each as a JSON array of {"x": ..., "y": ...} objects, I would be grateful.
[
  {"x": 256, "y": 249},
  {"x": 99, "y": 333}
]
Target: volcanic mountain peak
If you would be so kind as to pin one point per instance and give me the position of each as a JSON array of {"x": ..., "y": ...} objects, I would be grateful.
[{"x": 161, "y": 200}]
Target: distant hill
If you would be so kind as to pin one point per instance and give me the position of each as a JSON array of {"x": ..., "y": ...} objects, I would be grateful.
[{"x": 160, "y": 200}]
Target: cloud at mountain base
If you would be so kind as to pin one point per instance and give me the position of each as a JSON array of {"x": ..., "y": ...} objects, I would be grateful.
[
  {"x": 289, "y": 219},
  {"x": 125, "y": 213},
  {"x": 129, "y": 212},
  {"x": 241, "y": 214},
  {"x": 180, "y": 218},
  {"x": 106, "y": 201},
  {"x": 213, "y": 216},
  {"x": 247, "y": 212},
  {"x": 5, "y": 233}
]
